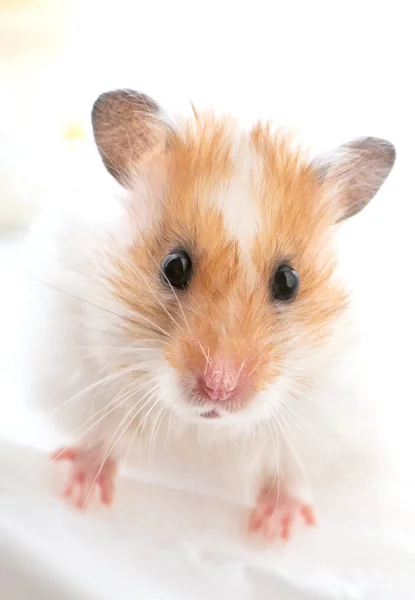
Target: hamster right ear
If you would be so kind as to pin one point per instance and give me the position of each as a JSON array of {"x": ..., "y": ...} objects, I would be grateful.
[
  {"x": 355, "y": 172},
  {"x": 128, "y": 126}
]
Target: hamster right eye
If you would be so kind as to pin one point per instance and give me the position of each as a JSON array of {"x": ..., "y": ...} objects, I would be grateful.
[
  {"x": 176, "y": 269},
  {"x": 285, "y": 284}
]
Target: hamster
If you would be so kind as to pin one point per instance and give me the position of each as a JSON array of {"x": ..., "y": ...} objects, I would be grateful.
[{"x": 207, "y": 304}]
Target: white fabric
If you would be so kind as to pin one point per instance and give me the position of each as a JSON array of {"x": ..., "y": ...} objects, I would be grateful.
[
  {"x": 159, "y": 542},
  {"x": 162, "y": 543}
]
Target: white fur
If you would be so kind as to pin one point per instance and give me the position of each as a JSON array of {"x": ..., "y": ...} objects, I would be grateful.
[
  {"x": 81, "y": 335},
  {"x": 237, "y": 202}
]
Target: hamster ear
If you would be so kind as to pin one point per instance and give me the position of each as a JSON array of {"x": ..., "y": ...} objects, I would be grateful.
[
  {"x": 355, "y": 172},
  {"x": 128, "y": 126}
]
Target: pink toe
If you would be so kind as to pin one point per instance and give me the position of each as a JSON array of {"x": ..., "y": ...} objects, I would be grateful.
[
  {"x": 308, "y": 515},
  {"x": 107, "y": 491},
  {"x": 63, "y": 454},
  {"x": 257, "y": 517},
  {"x": 285, "y": 527},
  {"x": 85, "y": 491}
]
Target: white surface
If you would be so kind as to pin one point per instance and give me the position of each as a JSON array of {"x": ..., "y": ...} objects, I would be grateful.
[
  {"x": 158, "y": 543},
  {"x": 334, "y": 71}
]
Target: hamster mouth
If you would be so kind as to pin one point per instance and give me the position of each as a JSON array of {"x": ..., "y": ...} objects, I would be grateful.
[{"x": 210, "y": 414}]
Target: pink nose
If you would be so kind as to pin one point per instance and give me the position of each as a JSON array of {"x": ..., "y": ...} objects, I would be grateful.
[{"x": 220, "y": 381}]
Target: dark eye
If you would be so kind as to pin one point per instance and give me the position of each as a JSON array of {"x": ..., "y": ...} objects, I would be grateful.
[
  {"x": 176, "y": 269},
  {"x": 285, "y": 283}
]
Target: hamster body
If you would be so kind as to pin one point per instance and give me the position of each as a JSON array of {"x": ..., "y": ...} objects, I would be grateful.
[{"x": 204, "y": 310}]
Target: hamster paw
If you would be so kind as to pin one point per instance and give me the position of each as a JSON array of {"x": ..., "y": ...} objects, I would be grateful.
[
  {"x": 275, "y": 514},
  {"x": 88, "y": 472}
]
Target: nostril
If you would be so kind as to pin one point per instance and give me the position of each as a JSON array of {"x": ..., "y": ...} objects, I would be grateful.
[
  {"x": 221, "y": 380},
  {"x": 218, "y": 393}
]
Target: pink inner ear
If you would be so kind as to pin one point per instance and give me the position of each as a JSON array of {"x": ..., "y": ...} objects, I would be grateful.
[
  {"x": 127, "y": 127},
  {"x": 354, "y": 173}
]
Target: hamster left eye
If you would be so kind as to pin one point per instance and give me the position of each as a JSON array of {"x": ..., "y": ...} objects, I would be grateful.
[
  {"x": 285, "y": 283},
  {"x": 176, "y": 269}
]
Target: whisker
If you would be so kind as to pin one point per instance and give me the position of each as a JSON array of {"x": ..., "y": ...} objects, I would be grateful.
[
  {"x": 276, "y": 474},
  {"x": 115, "y": 403},
  {"x": 119, "y": 400},
  {"x": 156, "y": 427},
  {"x": 205, "y": 355},
  {"x": 240, "y": 369},
  {"x": 154, "y": 327},
  {"x": 72, "y": 295},
  {"x": 255, "y": 367},
  {"x": 168, "y": 436},
  {"x": 158, "y": 300},
  {"x": 139, "y": 424},
  {"x": 300, "y": 425},
  {"x": 109, "y": 378},
  {"x": 144, "y": 423},
  {"x": 174, "y": 293},
  {"x": 101, "y": 354},
  {"x": 130, "y": 348},
  {"x": 112, "y": 444},
  {"x": 290, "y": 444}
]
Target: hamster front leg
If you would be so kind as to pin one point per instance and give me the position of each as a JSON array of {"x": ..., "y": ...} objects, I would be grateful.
[
  {"x": 94, "y": 460},
  {"x": 277, "y": 510},
  {"x": 283, "y": 499},
  {"x": 92, "y": 468}
]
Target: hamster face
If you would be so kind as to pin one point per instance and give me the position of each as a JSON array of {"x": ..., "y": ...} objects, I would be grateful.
[{"x": 232, "y": 265}]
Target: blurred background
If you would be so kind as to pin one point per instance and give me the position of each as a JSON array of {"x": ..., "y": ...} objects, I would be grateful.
[{"x": 332, "y": 69}]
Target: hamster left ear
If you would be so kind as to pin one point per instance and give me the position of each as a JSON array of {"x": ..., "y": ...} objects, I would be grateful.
[
  {"x": 128, "y": 127},
  {"x": 355, "y": 172}
]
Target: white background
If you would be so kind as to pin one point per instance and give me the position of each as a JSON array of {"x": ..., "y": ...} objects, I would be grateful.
[{"x": 335, "y": 70}]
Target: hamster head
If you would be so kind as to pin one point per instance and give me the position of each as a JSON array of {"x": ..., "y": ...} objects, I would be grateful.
[{"x": 230, "y": 277}]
